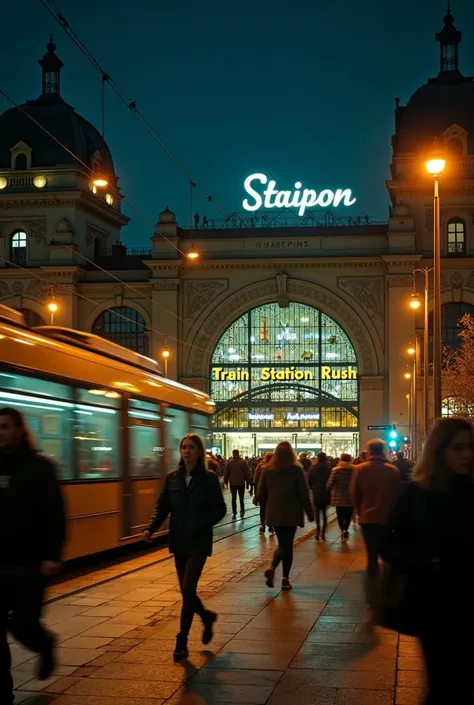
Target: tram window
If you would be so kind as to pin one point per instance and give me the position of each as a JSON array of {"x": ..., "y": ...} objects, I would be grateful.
[
  {"x": 176, "y": 426},
  {"x": 48, "y": 417},
  {"x": 146, "y": 450},
  {"x": 96, "y": 434},
  {"x": 97, "y": 395},
  {"x": 199, "y": 423}
]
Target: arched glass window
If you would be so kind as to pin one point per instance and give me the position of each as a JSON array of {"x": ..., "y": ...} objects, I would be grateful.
[
  {"x": 31, "y": 318},
  {"x": 18, "y": 247},
  {"x": 451, "y": 314},
  {"x": 124, "y": 326},
  {"x": 456, "y": 237},
  {"x": 21, "y": 162}
]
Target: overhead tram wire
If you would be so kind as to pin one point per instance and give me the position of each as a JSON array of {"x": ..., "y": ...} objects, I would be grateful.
[
  {"x": 70, "y": 290},
  {"x": 53, "y": 9},
  {"x": 78, "y": 254}
]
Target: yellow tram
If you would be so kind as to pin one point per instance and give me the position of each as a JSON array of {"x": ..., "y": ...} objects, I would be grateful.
[{"x": 106, "y": 416}]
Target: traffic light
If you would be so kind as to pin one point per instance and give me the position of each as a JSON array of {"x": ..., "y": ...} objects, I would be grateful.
[{"x": 394, "y": 439}]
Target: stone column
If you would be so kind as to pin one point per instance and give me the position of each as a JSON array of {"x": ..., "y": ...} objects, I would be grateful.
[
  {"x": 165, "y": 318},
  {"x": 373, "y": 410}
]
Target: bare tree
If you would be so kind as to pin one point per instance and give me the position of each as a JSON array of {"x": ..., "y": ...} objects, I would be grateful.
[{"x": 458, "y": 373}]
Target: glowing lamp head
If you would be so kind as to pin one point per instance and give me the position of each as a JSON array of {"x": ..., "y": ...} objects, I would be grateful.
[
  {"x": 411, "y": 350},
  {"x": 165, "y": 353},
  {"x": 192, "y": 254},
  {"x": 415, "y": 301},
  {"x": 100, "y": 182},
  {"x": 3, "y": 182},
  {"x": 435, "y": 165},
  {"x": 52, "y": 307},
  {"x": 407, "y": 375},
  {"x": 40, "y": 181}
]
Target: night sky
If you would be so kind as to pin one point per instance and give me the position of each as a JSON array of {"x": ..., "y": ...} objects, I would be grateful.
[{"x": 301, "y": 90}]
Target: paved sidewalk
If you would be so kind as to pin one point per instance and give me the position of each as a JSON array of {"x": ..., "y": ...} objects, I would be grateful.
[{"x": 312, "y": 646}]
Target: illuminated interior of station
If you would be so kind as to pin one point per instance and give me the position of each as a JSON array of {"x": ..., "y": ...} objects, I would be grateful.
[{"x": 285, "y": 373}]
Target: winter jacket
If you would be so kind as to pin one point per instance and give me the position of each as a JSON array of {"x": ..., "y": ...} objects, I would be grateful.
[
  {"x": 375, "y": 487},
  {"x": 237, "y": 473},
  {"x": 405, "y": 468},
  {"x": 339, "y": 484},
  {"x": 285, "y": 495},
  {"x": 317, "y": 480},
  {"x": 193, "y": 509},
  {"x": 32, "y": 515},
  {"x": 258, "y": 473}
]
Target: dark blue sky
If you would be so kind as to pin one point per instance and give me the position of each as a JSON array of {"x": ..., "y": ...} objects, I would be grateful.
[{"x": 299, "y": 90}]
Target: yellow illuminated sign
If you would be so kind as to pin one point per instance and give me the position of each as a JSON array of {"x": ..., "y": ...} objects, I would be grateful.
[
  {"x": 284, "y": 374},
  {"x": 338, "y": 372}
]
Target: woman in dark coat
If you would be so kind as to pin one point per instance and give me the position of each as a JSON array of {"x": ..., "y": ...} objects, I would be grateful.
[
  {"x": 317, "y": 480},
  {"x": 284, "y": 491},
  {"x": 431, "y": 535},
  {"x": 193, "y": 499}
]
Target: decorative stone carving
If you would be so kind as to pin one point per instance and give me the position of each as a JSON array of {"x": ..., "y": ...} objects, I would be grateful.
[
  {"x": 92, "y": 232},
  {"x": 199, "y": 294},
  {"x": 282, "y": 281},
  {"x": 37, "y": 203},
  {"x": 166, "y": 285},
  {"x": 63, "y": 226},
  {"x": 4, "y": 290},
  {"x": 118, "y": 295},
  {"x": 372, "y": 384},
  {"x": 470, "y": 281},
  {"x": 38, "y": 290},
  {"x": 37, "y": 228},
  {"x": 368, "y": 292},
  {"x": 17, "y": 287},
  {"x": 401, "y": 280},
  {"x": 265, "y": 292}
]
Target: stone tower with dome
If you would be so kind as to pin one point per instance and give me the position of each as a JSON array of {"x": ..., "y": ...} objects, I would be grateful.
[
  {"x": 441, "y": 111},
  {"x": 50, "y": 207}
]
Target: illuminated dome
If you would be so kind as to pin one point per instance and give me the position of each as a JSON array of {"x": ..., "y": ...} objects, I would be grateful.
[
  {"x": 57, "y": 117},
  {"x": 440, "y": 103}
]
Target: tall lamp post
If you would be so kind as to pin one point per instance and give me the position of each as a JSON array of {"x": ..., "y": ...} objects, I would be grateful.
[
  {"x": 415, "y": 304},
  {"x": 435, "y": 167},
  {"x": 413, "y": 352},
  {"x": 409, "y": 396}
]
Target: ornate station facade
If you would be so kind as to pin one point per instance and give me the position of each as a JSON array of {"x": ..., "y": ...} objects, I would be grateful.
[{"x": 297, "y": 326}]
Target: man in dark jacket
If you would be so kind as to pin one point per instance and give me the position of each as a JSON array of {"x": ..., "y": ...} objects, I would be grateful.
[
  {"x": 317, "y": 479},
  {"x": 193, "y": 500},
  {"x": 405, "y": 467},
  {"x": 237, "y": 475},
  {"x": 32, "y": 532}
]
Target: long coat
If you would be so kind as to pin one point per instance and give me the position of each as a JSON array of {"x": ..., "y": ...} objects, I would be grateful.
[
  {"x": 285, "y": 495},
  {"x": 339, "y": 484}
]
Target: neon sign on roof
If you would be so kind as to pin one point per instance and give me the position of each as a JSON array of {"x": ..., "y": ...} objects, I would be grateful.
[{"x": 300, "y": 198}]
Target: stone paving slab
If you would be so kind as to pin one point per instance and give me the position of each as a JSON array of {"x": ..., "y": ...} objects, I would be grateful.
[{"x": 312, "y": 646}]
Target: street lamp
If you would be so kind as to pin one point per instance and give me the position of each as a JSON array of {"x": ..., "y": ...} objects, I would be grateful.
[
  {"x": 409, "y": 396},
  {"x": 435, "y": 166},
  {"x": 413, "y": 352},
  {"x": 52, "y": 308},
  {"x": 415, "y": 304},
  {"x": 165, "y": 353}
]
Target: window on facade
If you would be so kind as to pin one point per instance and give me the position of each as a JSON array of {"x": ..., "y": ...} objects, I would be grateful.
[
  {"x": 124, "y": 326},
  {"x": 21, "y": 162},
  {"x": 456, "y": 237},
  {"x": 97, "y": 249},
  {"x": 31, "y": 318},
  {"x": 284, "y": 368},
  {"x": 451, "y": 314},
  {"x": 18, "y": 247}
]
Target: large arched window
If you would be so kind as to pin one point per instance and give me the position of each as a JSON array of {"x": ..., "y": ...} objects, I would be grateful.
[
  {"x": 31, "y": 318},
  {"x": 18, "y": 244},
  {"x": 124, "y": 326},
  {"x": 451, "y": 314},
  {"x": 456, "y": 237},
  {"x": 285, "y": 368}
]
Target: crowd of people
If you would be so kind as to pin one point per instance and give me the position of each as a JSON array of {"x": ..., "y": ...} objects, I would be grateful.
[{"x": 416, "y": 519}]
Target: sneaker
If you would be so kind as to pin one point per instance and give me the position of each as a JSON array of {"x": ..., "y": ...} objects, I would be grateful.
[
  {"x": 346, "y": 534},
  {"x": 286, "y": 585},
  {"x": 208, "y": 620},
  {"x": 47, "y": 661},
  {"x": 269, "y": 577},
  {"x": 234, "y": 517},
  {"x": 181, "y": 651},
  {"x": 242, "y": 515},
  {"x": 262, "y": 529}
]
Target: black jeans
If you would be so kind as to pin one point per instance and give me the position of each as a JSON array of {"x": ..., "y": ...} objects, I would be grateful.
[
  {"x": 320, "y": 508},
  {"x": 22, "y": 596},
  {"x": 448, "y": 647},
  {"x": 344, "y": 517},
  {"x": 189, "y": 569},
  {"x": 373, "y": 538},
  {"x": 284, "y": 552},
  {"x": 240, "y": 489}
]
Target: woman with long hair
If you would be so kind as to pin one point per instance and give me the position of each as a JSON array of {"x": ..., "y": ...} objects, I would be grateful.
[
  {"x": 284, "y": 491},
  {"x": 192, "y": 497},
  {"x": 317, "y": 479},
  {"x": 339, "y": 485},
  {"x": 431, "y": 537}
]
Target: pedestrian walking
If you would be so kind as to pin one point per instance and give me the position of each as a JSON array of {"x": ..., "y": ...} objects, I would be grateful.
[
  {"x": 32, "y": 532},
  {"x": 317, "y": 479},
  {"x": 339, "y": 485},
  {"x": 257, "y": 477},
  {"x": 192, "y": 498},
  {"x": 375, "y": 487},
  {"x": 405, "y": 466},
  {"x": 237, "y": 475},
  {"x": 284, "y": 489},
  {"x": 431, "y": 538}
]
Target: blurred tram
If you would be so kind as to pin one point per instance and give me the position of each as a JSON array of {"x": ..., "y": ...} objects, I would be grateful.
[{"x": 108, "y": 419}]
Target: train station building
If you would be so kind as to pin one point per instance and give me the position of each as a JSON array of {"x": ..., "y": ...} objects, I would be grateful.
[{"x": 295, "y": 318}]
